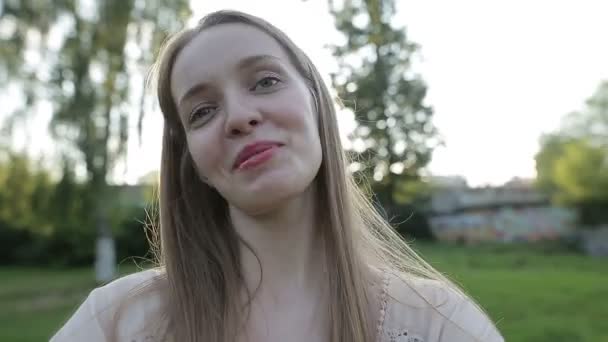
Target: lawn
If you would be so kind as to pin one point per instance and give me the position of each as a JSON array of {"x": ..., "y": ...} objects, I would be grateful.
[
  {"x": 533, "y": 295},
  {"x": 35, "y": 302}
]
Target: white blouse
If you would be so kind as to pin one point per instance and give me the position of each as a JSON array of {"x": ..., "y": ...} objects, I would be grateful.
[{"x": 420, "y": 310}]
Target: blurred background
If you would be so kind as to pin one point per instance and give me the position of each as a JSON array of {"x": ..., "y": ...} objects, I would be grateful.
[{"x": 481, "y": 126}]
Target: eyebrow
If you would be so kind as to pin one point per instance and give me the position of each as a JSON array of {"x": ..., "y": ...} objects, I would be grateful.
[{"x": 243, "y": 64}]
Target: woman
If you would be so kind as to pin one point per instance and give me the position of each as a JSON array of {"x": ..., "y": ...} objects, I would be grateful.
[{"x": 263, "y": 234}]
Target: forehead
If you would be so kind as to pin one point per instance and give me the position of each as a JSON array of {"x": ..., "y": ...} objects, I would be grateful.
[{"x": 215, "y": 52}]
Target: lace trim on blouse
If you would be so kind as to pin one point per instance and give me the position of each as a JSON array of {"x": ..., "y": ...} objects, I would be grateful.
[{"x": 383, "y": 305}]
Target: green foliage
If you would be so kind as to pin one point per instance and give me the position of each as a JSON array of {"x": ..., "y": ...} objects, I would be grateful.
[
  {"x": 552, "y": 147},
  {"x": 42, "y": 220},
  {"x": 90, "y": 59},
  {"x": 46, "y": 221},
  {"x": 24, "y": 192},
  {"x": 376, "y": 82},
  {"x": 572, "y": 164},
  {"x": 581, "y": 172},
  {"x": 592, "y": 122}
]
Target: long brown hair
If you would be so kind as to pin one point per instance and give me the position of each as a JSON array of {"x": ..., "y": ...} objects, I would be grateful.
[{"x": 199, "y": 252}]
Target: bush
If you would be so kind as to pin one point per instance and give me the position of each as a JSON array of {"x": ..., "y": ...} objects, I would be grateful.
[
  {"x": 412, "y": 223},
  {"x": 130, "y": 234},
  {"x": 72, "y": 246},
  {"x": 12, "y": 240}
]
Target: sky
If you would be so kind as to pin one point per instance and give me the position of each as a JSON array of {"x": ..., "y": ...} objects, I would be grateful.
[{"x": 499, "y": 73}]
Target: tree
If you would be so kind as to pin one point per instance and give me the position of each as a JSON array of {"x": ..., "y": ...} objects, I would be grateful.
[
  {"x": 572, "y": 164},
  {"x": 552, "y": 147},
  {"x": 23, "y": 191},
  {"x": 69, "y": 203},
  {"x": 92, "y": 57},
  {"x": 592, "y": 122},
  {"x": 581, "y": 173},
  {"x": 395, "y": 136}
]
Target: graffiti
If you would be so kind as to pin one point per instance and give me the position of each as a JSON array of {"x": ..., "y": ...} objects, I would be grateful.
[
  {"x": 595, "y": 242},
  {"x": 505, "y": 224}
]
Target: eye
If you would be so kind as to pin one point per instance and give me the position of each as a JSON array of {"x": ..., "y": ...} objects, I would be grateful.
[
  {"x": 202, "y": 112},
  {"x": 266, "y": 82}
]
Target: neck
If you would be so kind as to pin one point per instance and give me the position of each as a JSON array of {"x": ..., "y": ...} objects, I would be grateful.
[{"x": 288, "y": 246}]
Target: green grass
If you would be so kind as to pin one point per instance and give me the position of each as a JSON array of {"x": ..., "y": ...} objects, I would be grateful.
[
  {"x": 35, "y": 302},
  {"x": 533, "y": 294}
]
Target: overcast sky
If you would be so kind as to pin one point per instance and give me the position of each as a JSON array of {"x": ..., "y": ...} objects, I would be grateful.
[{"x": 500, "y": 73}]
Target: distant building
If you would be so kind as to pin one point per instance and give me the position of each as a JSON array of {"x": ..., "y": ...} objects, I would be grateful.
[
  {"x": 518, "y": 182},
  {"x": 513, "y": 212},
  {"x": 448, "y": 182}
]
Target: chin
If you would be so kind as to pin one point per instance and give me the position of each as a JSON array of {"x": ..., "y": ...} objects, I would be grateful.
[{"x": 269, "y": 197}]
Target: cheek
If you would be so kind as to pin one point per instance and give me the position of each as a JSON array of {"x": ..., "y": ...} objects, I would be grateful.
[
  {"x": 204, "y": 152},
  {"x": 301, "y": 120},
  {"x": 302, "y": 124},
  {"x": 296, "y": 112}
]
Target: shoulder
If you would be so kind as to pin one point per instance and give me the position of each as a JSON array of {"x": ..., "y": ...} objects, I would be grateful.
[
  {"x": 427, "y": 310},
  {"x": 121, "y": 287},
  {"x": 113, "y": 307}
]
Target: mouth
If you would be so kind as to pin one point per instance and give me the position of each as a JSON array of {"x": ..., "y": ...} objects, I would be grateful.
[{"x": 255, "y": 154}]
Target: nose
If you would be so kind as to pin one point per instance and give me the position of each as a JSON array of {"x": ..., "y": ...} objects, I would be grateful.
[{"x": 241, "y": 116}]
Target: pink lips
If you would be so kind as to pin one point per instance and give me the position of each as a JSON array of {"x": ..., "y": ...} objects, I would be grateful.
[{"x": 255, "y": 154}]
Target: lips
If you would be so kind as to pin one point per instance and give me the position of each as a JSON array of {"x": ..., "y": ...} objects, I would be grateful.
[{"x": 252, "y": 150}]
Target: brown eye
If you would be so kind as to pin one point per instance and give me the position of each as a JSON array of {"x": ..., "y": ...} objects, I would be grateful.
[{"x": 266, "y": 82}]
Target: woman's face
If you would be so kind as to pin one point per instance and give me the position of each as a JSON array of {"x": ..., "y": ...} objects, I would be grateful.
[{"x": 248, "y": 115}]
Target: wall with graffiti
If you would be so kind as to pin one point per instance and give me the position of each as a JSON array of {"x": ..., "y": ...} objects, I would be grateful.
[{"x": 504, "y": 224}]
